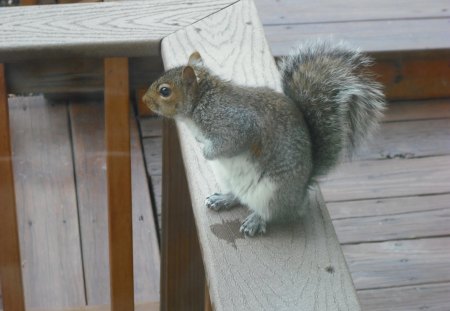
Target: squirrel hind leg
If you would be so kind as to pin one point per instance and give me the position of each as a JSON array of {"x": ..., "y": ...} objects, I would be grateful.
[
  {"x": 221, "y": 201},
  {"x": 253, "y": 224}
]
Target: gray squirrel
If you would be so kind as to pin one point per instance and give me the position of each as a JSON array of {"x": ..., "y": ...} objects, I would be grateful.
[{"x": 266, "y": 148}]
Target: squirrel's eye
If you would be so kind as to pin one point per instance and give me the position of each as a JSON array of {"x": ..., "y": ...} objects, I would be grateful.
[{"x": 165, "y": 91}]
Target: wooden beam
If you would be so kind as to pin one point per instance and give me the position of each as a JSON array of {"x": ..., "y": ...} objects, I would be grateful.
[
  {"x": 182, "y": 273},
  {"x": 117, "y": 135},
  {"x": 99, "y": 29},
  {"x": 10, "y": 263},
  {"x": 299, "y": 264},
  {"x": 146, "y": 306}
]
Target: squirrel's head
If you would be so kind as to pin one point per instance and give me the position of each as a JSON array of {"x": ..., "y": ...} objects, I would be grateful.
[{"x": 175, "y": 92}]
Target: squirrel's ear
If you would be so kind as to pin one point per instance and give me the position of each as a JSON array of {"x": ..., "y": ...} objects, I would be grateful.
[
  {"x": 195, "y": 59},
  {"x": 189, "y": 76}
]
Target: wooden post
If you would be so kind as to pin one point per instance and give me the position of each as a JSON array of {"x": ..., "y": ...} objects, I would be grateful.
[
  {"x": 182, "y": 273},
  {"x": 117, "y": 130},
  {"x": 10, "y": 263}
]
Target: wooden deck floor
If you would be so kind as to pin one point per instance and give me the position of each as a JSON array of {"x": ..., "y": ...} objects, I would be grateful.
[{"x": 390, "y": 207}]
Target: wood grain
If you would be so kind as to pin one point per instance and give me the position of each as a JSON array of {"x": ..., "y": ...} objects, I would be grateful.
[
  {"x": 399, "y": 263},
  {"x": 383, "y": 179},
  {"x": 321, "y": 11},
  {"x": 370, "y": 36},
  {"x": 408, "y": 140},
  {"x": 12, "y": 291},
  {"x": 418, "y": 110},
  {"x": 151, "y": 127},
  {"x": 46, "y": 203},
  {"x": 96, "y": 29},
  {"x": 147, "y": 306},
  {"x": 289, "y": 266},
  {"x": 87, "y": 120},
  {"x": 118, "y": 175},
  {"x": 433, "y": 297},
  {"x": 182, "y": 272}
]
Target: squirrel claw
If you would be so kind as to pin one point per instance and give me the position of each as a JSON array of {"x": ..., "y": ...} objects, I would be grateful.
[
  {"x": 252, "y": 225},
  {"x": 219, "y": 201}
]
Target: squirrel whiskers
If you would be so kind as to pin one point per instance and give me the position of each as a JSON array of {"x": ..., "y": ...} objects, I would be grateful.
[{"x": 267, "y": 148}]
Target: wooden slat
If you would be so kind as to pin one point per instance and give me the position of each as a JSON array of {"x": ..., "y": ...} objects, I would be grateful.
[
  {"x": 371, "y": 36},
  {"x": 182, "y": 273},
  {"x": 151, "y": 127},
  {"x": 87, "y": 120},
  {"x": 408, "y": 140},
  {"x": 12, "y": 294},
  {"x": 399, "y": 263},
  {"x": 294, "y": 11},
  {"x": 96, "y": 29},
  {"x": 147, "y": 306},
  {"x": 73, "y": 75},
  {"x": 289, "y": 266},
  {"x": 386, "y": 207},
  {"x": 407, "y": 298},
  {"x": 383, "y": 179},
  {"x": 46, "y": 201},
  {"x": 418, "y": 110},
  {"x": 406, "y": 225},
  {"x": 118, "y": 172}
]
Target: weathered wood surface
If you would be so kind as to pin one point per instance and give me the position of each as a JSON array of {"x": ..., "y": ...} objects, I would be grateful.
[
  {"x": 46, "y": 201},
  {"x": 147, "y": 306},
  {"x": 182, "y": 271},
  {"x": 254, "y": 273},
  {"x": 118, "y": 183},
  {"x": 399, "y": 263},
  {"x": 87, "y": 120},
  {"x": 418, "y": 110},
  {"x": 96, "y": 29},
  {"x": 12, "y": 292},
  {"x": 393, "y": 178},
  {"x": 306, "y": 12},
  {"x": 432, "y": 297}
]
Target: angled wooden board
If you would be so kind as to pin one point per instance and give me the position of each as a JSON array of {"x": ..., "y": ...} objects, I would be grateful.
[
  {"x": 290, "y": 266},
  {"x": 87, "y": 120},
  {"x": 46, "y": 203},
  {"x": 96, "y": 29}
]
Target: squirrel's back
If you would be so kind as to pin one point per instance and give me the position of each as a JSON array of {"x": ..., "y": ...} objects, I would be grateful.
[{"x": 338, "y": 96}]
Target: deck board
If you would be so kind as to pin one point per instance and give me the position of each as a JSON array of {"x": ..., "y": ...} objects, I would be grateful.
[
  {"x": 87, "y": 121},
  {"x": 46, "y": 203}
]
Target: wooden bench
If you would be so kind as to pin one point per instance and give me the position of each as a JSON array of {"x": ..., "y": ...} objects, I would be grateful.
[{"x": 295, "y": 266}]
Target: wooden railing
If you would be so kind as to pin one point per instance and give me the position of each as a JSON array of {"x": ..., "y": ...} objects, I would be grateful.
[{"x": 296, "y": 265}]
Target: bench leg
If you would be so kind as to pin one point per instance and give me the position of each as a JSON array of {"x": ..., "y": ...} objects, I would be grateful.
[
  {"x": 10, "y": 263},
  {"x": 117, "y": 135},
  {"x": 182, "y": 274}
]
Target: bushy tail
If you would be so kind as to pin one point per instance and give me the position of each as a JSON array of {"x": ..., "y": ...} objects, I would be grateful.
[{"x": 338, "y": 96}]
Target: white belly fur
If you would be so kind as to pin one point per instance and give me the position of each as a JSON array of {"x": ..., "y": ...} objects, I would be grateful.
[{"x": 241, "y": 177}]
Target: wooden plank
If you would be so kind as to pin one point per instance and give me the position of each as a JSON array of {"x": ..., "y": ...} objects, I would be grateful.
[
  {"x": 406, "y": 225},
  {"x": 73, "y": 75},
  {"x": 383, "y": 179},
  {"x": 182, "y": 273},
  {"x": 150, "y": 127},
  {"x": 433, "y": 297},
  {"x": 12, "y": 291},
  {"x": 147, "y": 306},
  {"x": 87, "y": 120},
  {"x": 370, "y": 36},
  {"x": 118, "y": 176},
  {"x": 408, "y": 140},
  {"x": 291, "y": 265},
  {"x": 96, "y": 29},
  {"x": 418, "y": 110},
  {"x": 326, "y": 11},
  {"x": 399, "y": 263},
  {"x": 46, "y": 201},
  {"x": 389, "y": 206}
]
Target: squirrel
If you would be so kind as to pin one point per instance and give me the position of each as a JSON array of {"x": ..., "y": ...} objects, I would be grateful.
[{"x": 267, "y": 149}]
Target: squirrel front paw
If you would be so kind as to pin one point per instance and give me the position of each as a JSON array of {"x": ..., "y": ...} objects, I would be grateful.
[
  {"x": 253, "y": 224},
  {"x": 219, "y": 201}
]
